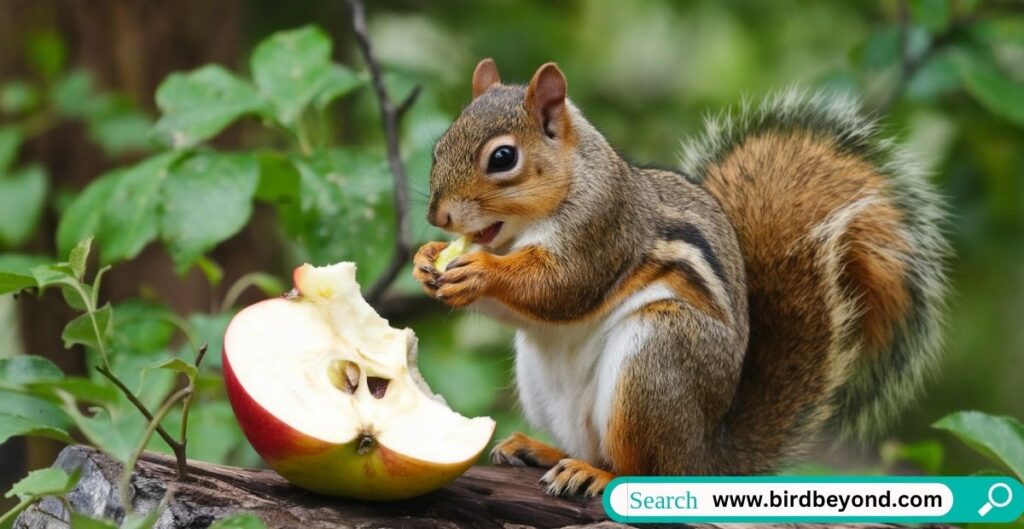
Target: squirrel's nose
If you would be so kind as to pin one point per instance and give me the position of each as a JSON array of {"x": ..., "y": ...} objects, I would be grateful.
[{"x": 440, "y": 217}]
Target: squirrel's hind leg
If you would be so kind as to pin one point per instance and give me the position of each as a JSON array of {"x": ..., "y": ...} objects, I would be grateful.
[
  {"x": 518, "y": 450},
  {"x": 573, "y": 477}
]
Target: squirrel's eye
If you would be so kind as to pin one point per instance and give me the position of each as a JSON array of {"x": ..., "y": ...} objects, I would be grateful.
[{"x": 502, "y": 159}]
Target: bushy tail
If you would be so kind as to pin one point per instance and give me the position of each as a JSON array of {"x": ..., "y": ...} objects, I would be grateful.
[{"x": 841, "y": 233}]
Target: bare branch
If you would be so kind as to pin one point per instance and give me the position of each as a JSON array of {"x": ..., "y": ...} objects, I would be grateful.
[{"x": 390, "y": 116}]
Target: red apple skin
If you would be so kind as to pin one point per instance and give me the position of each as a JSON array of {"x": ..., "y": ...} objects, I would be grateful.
[
  {"x": 272, "y": 438},
  {"x": 333, "y": 469}
]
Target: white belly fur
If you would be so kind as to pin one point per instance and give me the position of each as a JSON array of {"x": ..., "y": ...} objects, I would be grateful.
[{"x": 566, "y": 373}]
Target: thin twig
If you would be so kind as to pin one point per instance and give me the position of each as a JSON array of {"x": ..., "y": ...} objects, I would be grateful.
[
  {"x": 390, "y": 115},
  {"x": 186, "y": 407},
  {"x": 171, "y": 442},
  {"x": 154, "y": 424}
]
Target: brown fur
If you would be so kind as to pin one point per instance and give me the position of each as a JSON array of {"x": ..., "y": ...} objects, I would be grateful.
[
  {"x": 876, "y": 273},
  {"x": 776, "y": 188}
]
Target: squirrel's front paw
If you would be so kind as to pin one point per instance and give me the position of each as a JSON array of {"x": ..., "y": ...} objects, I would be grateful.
[
  {"x": 518, "y": 450},
  {"x": 572, "y": 477},
  {"x": 465, "y": 280},
  {"x": 423, "y": 266}
]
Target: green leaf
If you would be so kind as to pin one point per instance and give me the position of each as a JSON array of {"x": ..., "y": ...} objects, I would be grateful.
[
  {"x": 83, "y": 216},
  {"x": 937, "y": 76},
  {"x": 211, "y": 270},
  {"x": 46, "y": 52},
  {"x": 291, "y": 68},
  {"x": 18, "y": 97},
  {"x": 15, "y": 425},
  {"x": 199, "y": 104},
  {"x": 990, "y": 87},
  {"x": 142, "y": 327},
  {"x": 43, "y": 482},
  {"x": 20, "y": 401},
  {"x": 10, "y": 140},
  {"x": 207, "y": 199},
  {"x": 932, "y": 14},
  {"x": 53, "y": 274},
  {"x": 279, "y": 180},
  {"x": 73, "y": 297},
  {"x": 180, "y": 366},
  {"x": 81, "y": 521},
  {"x": 210, "y": 329},
  {"x": 81, "y": 330},
  {"x": 140, "y": 520},
  {"x": 28, "y": 369},
  {"x": 926, "y": 455},
  {"x": 131, "y": 215},
  {"x": 72, "y": 94},
  {"x": 78, "y": 257},
  {"x": 239, "y": 521},
  {"x": 1001, "y": 439},
  {"x": 16, "y": 271},
  {"x": 22, "y": 197},
  {"x": 339, "y": 82},
  {"x": 121, "y": 132},
  {"x": 350, "y": 191},
  {"x": 80, "y": 388}
]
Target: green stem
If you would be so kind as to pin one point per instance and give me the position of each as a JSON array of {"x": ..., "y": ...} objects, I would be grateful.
[
  {"x": 236, "y": 290},
  {"x": 90, "y": 308},
  {"x": 187, "y": 405},
  {"x": 154, "y": 425},
  {"x": 21, "y": 506},
  {"x": 96, "y": 281},
  {"x": 186, "y": 329},
  {"x": 303, "y": 136}
]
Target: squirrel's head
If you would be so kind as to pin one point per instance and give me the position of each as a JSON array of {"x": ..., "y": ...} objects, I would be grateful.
[{"x": 506, "y": 162}]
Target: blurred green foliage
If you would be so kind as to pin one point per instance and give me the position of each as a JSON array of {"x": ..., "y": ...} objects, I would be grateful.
[{"x": 949, "y": 74}]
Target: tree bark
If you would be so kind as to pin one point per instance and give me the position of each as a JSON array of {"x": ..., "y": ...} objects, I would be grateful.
[{"x": 486, "y": 497}]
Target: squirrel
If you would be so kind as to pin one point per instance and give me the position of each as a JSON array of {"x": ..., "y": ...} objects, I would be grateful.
[{"x": 788, "y": 280}]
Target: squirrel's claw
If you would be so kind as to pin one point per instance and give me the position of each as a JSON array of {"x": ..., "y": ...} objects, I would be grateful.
[
  {"x": 423, "y": 267},
  {"x": 572, "y": 477},
  {"x": 518, "y": 450},
  {"x": 464, "y": 281}
]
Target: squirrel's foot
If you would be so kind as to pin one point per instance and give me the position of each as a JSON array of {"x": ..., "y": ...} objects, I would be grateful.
[
  {"x": 518, "y": 450},
  {"x": 572, "y": 477}
]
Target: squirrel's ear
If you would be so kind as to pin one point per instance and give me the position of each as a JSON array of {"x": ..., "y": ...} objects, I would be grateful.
[
  {"x": 485, "y": 75},
  {"x": 545, "y": 99}
]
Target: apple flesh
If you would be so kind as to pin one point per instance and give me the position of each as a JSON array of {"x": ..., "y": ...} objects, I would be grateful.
[
  {"x": 330, "y": 396},
  {"x": 450, "y": 252}
]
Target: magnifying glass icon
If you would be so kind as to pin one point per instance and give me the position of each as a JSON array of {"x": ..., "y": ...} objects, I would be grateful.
[{"x": 992, "y": 502}]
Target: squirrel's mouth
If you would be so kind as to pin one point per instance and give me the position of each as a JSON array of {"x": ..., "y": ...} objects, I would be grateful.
[{"x": 486, "y": 235}]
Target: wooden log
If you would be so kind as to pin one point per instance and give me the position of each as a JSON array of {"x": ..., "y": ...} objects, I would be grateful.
[{"x": 486, "y": 497}]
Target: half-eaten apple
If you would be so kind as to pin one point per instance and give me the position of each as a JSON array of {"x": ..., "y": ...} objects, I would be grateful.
[{"x": 330, "y": 396}]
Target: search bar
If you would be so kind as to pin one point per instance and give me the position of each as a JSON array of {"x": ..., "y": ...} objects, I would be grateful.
[{"x": 847, "y": 499}]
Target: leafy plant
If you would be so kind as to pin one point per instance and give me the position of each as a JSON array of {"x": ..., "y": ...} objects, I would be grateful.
[
  {"x": 190, "y": 198},
  {"x": 1000, "y": 439},
  {"x": 30, "y": 108}
]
